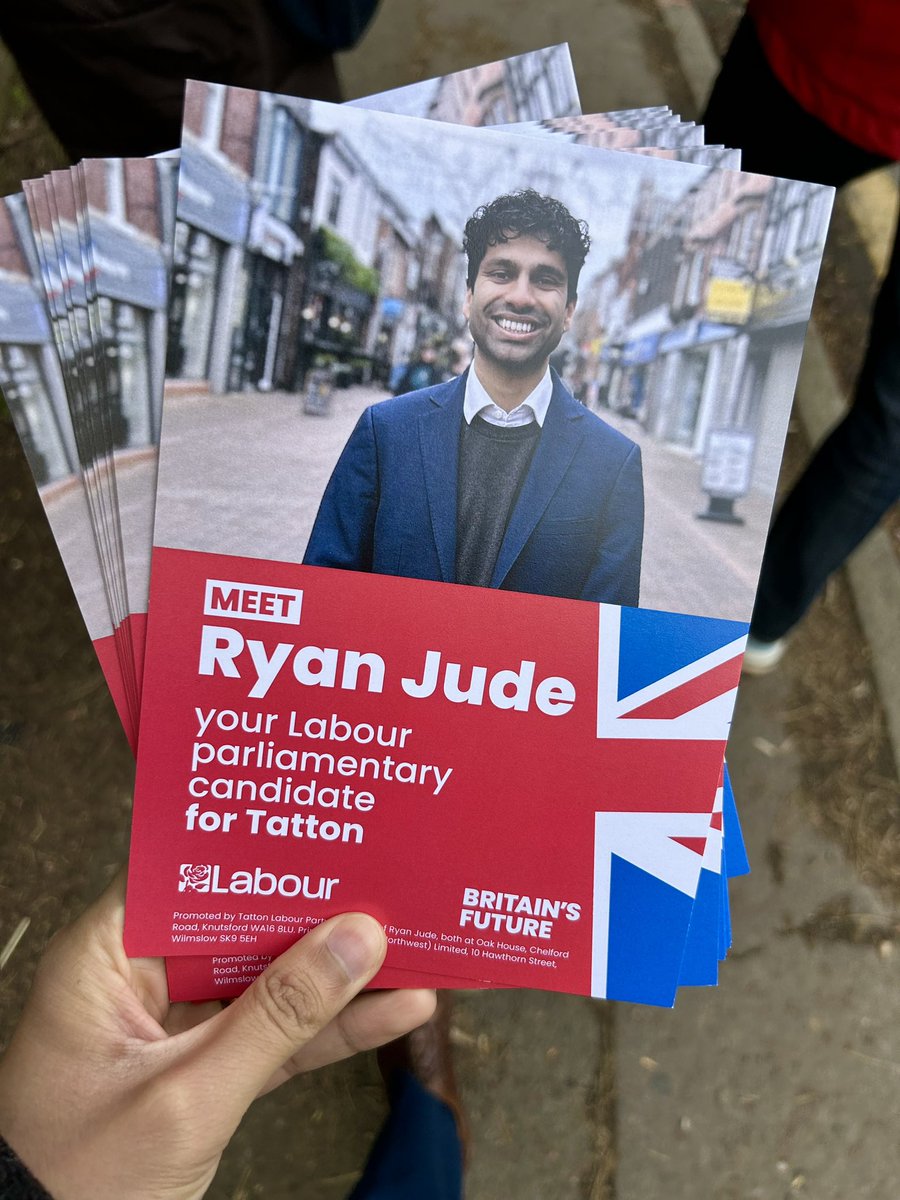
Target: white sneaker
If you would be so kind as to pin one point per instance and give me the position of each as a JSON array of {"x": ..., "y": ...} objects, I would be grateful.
[{"x": 762, "y": 657}]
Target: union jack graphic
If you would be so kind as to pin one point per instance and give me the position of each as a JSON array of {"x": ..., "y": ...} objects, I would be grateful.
[
  {"x": 661, "y": 676},
  {"x": 665, "y": 675}
]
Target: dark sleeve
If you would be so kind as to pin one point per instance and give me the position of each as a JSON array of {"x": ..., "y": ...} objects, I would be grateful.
[
  {"x": 335, "y": 24},
  {"x": 615, "y": 577},
  {"x": 344, "y": 529},
  {"x": 16, "y": 1181}
]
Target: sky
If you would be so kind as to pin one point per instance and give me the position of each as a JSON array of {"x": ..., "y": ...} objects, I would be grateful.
[
  {"x": 451, "y": 169},
  {"x": 414, "y": 100}
]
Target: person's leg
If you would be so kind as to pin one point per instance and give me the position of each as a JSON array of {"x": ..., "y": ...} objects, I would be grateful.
[
  {"x": 421, "y": 1151},
  {"x": 850, "y": 483},
  {"x": 853, "y": 477},
  {"x": 418, "y": 1153}
]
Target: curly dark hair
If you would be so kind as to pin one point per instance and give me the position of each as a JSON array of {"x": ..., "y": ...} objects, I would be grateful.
[{"x": 526, "y": 213}]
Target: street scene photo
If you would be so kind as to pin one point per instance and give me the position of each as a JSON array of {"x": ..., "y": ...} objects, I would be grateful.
[{"x": 329, "y": 276}]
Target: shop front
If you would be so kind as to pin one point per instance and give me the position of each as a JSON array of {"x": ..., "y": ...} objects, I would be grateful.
[
  {"x": 210, "y": 237},
  {"x": 32, "y": 385},
  {"x": 258, "y": 328},
  {"x": 698, "y": 365},
  {"x": 129, "y": 279}
]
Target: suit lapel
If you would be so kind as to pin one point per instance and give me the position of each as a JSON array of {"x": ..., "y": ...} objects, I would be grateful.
[
  {"x": 439, "y": 445},
  {"x": 560, "y": 437}
]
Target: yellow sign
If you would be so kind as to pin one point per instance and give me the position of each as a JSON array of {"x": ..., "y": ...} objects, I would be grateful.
[{"x": 729, "y": 301}]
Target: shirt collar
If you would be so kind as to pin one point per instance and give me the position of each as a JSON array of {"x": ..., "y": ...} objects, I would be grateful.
[{"x": 477, "y": 401}]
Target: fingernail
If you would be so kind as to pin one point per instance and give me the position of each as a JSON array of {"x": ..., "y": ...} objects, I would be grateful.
[{"x": 357, "y": 942}]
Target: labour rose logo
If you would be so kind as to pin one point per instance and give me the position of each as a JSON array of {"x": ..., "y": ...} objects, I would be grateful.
[{"x": 194, "y": 877}]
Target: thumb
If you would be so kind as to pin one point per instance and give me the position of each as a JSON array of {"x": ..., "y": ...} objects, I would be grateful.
[{"x": 297, "y": 995}]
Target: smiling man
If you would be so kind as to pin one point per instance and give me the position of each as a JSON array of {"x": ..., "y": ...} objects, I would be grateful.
[{"x": 499, "y": 478}]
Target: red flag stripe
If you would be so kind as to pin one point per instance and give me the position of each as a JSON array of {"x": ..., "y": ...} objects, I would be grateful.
[
  {"x": 691, "y": 694},
  {"x": 697, "y": 844}
]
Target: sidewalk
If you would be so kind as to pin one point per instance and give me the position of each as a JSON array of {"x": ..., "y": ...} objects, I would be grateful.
[
  {"x": 710, "y": 559},
  {"x": 783, "y": 1080}
]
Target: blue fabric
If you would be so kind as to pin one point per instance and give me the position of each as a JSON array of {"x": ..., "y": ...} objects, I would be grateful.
[
  {"x": 332, "y": 24},
  {"x": 576, "y": 530},
  {"x": 417, "y": 1155}
]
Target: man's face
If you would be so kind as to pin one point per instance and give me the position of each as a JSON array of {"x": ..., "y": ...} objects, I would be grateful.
[{"x": 518, "y": 308}]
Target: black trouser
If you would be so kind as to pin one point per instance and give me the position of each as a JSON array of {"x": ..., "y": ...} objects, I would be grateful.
[{"x": 854, "y": 476}]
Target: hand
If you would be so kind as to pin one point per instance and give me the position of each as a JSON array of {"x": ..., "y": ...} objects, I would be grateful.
[{"x": 107, "y": 1091}]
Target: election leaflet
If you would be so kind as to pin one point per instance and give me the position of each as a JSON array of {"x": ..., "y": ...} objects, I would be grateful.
[
  {"x": 474, "y": 678},
  {"x": 364, "y": 688}
]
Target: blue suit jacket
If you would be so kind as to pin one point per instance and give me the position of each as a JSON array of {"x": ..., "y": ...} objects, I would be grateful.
[{"x": 576, "y": 529}]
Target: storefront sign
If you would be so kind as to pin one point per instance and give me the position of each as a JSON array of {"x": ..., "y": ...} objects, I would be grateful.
[
  {"x": 694, "y": 333},
  {"x": 211, "y": 198},
  {"x": 273, "y": 239},
  {"x": 729, "y": 300},
  {"x": 640, "y": 350},
  {"x": 127, "y": 266},
  {"x": 22, "y": 318}
]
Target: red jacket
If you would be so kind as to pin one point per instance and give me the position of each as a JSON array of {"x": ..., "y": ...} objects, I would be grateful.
[{"x": 840, "y": 59}]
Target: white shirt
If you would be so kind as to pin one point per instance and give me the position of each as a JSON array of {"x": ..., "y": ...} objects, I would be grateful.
[{"x": 533, "y": 408}]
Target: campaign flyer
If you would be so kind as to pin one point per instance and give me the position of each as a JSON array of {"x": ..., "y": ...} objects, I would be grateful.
[
  {"x": 290, "y": 763},
  {"x": 553, "y": 708}
]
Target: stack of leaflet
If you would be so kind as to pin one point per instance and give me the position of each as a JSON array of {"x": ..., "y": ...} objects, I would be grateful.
[{"x": 524, "y": 782}]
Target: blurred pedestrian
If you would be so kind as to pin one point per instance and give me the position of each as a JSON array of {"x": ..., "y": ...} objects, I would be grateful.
[
  {"x": 421, "y": 371},
  {"x": 812, "y": 91},
  {"x": 460, "y": 355},
  {"x": 109, "y": 75}
]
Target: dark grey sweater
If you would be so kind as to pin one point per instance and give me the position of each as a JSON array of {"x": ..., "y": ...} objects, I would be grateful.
[{"x": 493, "y": 463}]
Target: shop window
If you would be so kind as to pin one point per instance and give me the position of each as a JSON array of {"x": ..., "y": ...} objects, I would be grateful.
[
  {"x": 192, "y": 306},
  {"x": 334, "y": 203},
  {"x": 29, "y": 402},
  {"x": 284, "y": 165}
]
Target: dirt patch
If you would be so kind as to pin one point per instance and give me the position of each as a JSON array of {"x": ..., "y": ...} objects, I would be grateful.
[
  {"x": 850, "y": 788},
  {"x": 721, "y": 19},
  {"x": 839, "y": 920}
]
